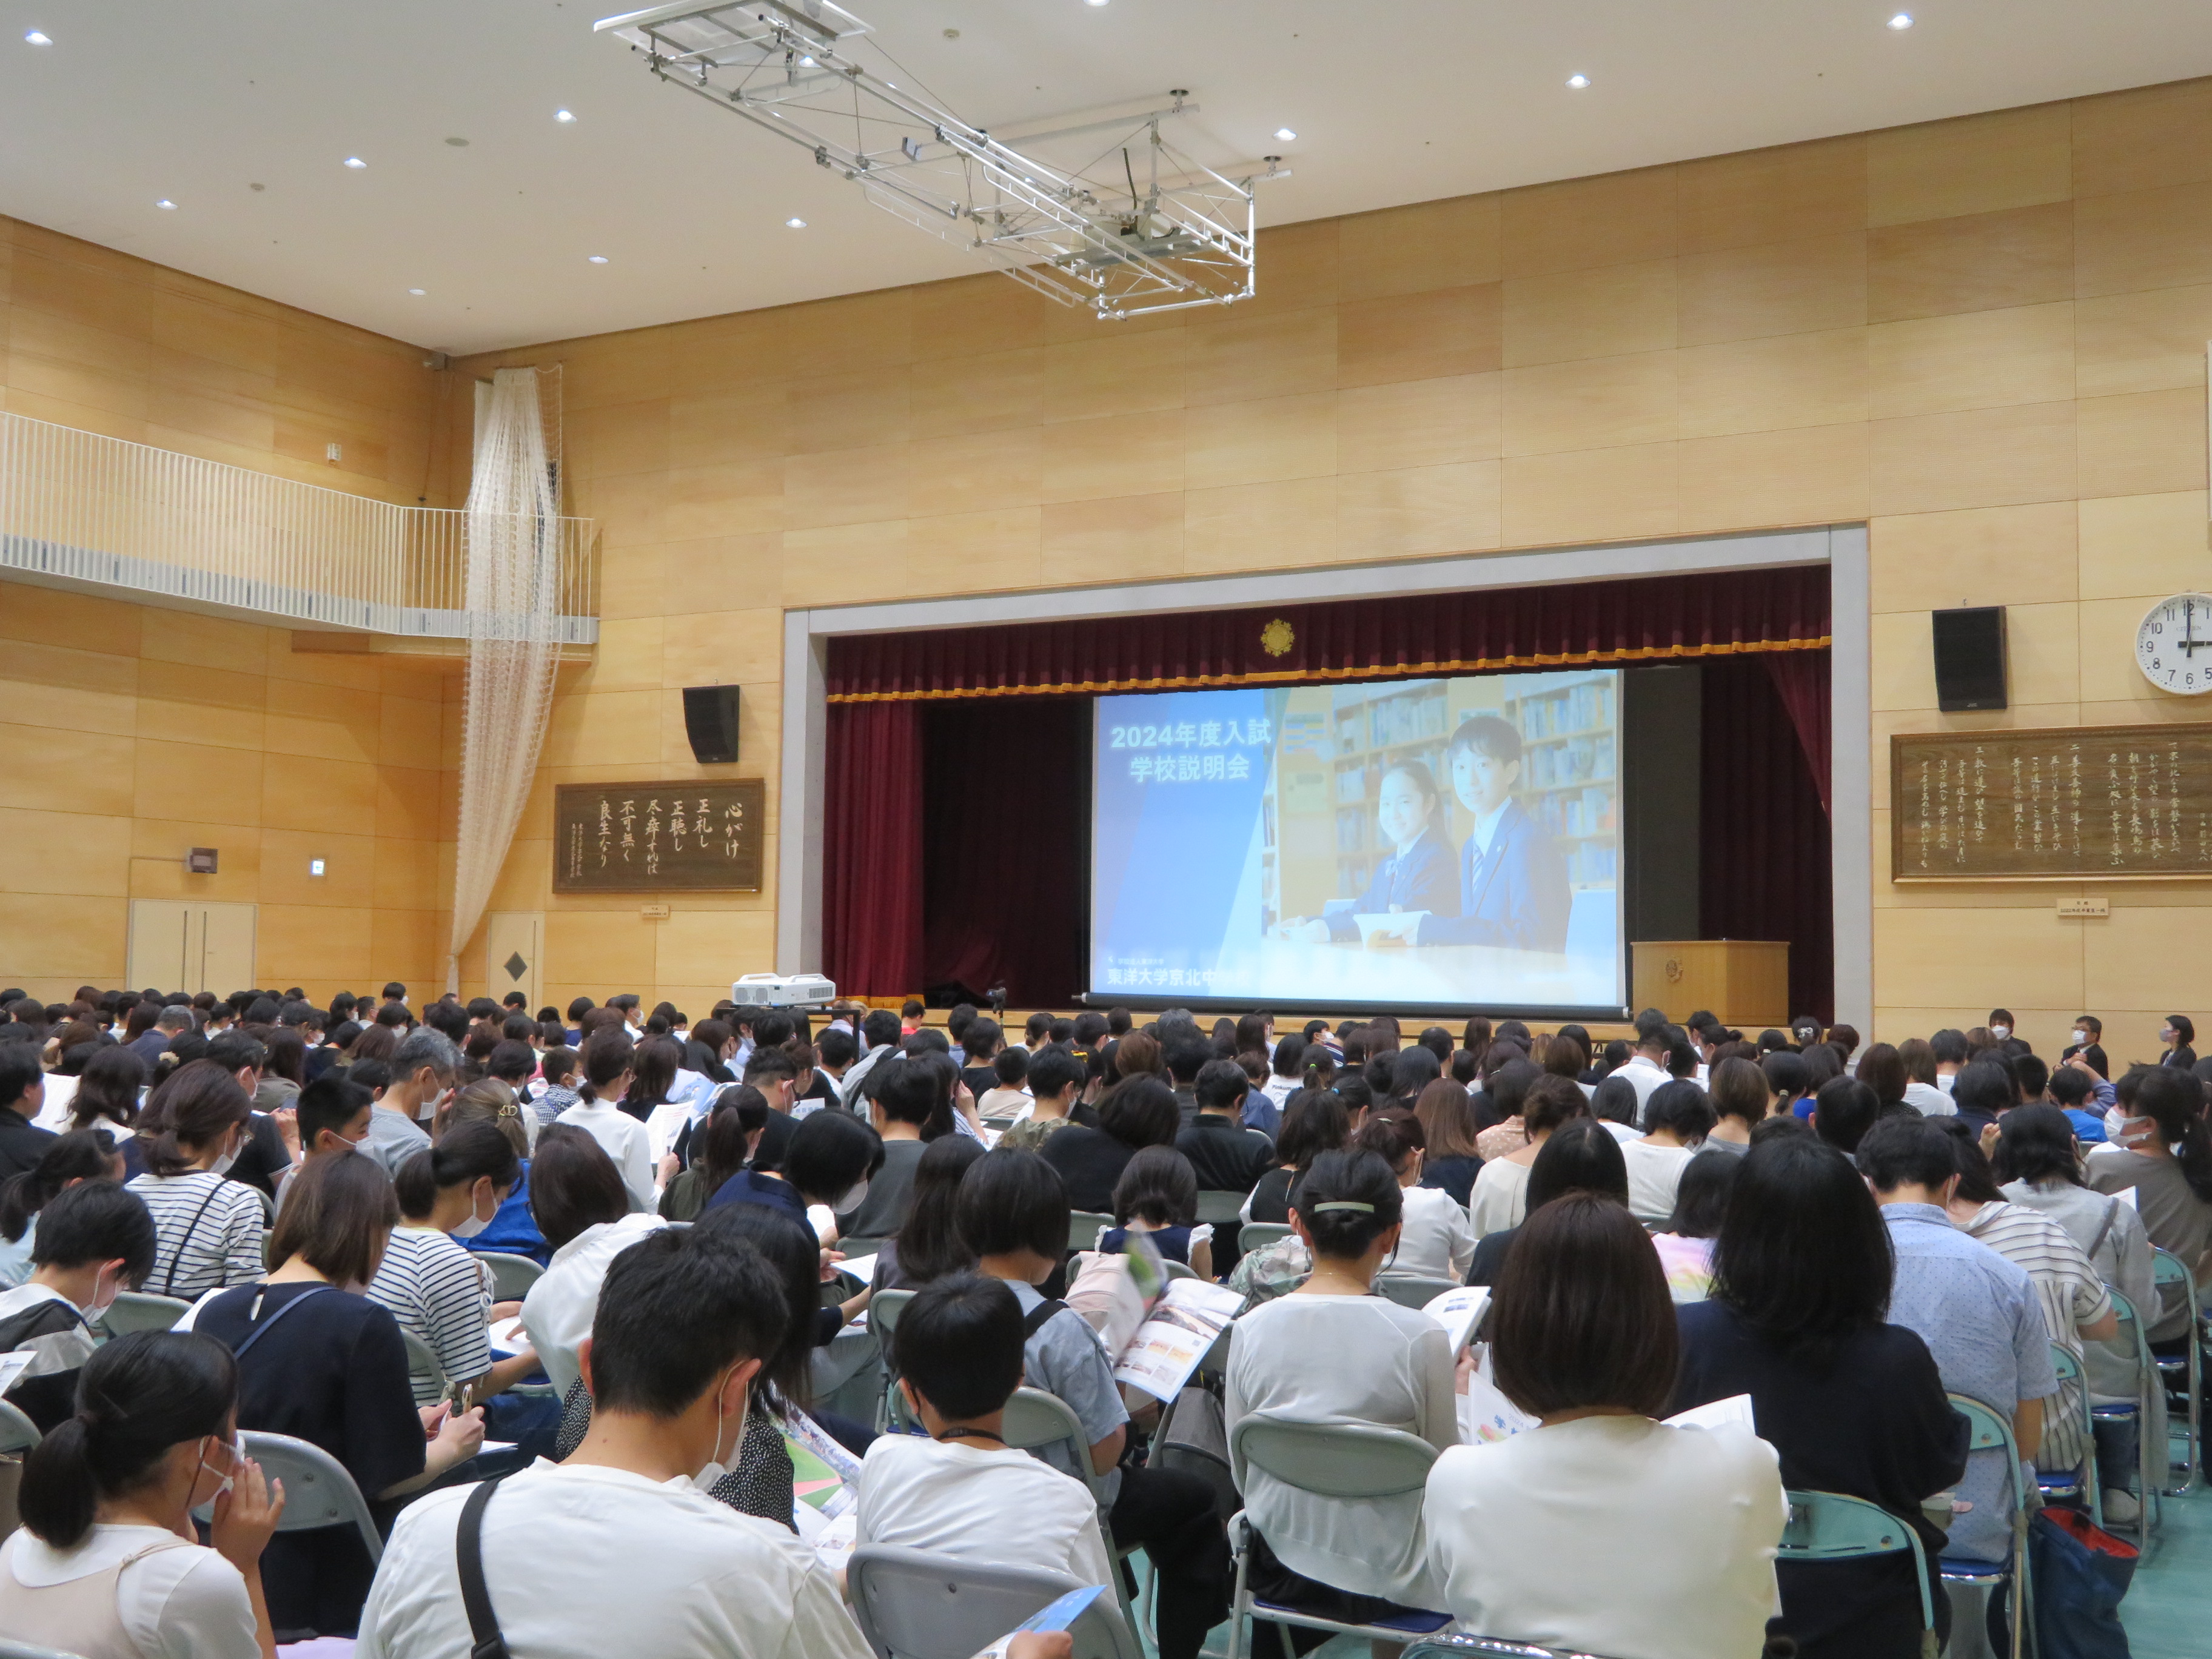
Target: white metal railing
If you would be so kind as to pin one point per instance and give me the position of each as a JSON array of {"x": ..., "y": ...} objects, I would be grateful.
[{"x": 82, "y": 509}]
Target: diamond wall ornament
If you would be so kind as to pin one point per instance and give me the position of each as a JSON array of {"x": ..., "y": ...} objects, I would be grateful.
[{"x": 515, "y": 966}]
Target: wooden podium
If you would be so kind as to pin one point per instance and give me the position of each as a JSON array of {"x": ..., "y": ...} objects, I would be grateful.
[{"x": 1745, "y": 981}]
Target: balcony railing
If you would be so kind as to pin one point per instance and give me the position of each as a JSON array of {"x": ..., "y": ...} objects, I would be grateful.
[{"x": 81, "y": 510}]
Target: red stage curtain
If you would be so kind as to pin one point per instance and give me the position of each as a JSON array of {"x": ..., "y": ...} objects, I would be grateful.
[
  {"x": 872, "y": 849},
  {"x": 1800, "y": 680},
  {"x": 1708, "y": 615},
  {"x": 1763, "y": 860}
]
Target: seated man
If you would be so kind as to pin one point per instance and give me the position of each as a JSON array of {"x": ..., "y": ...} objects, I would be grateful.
[
  {"x": 962, "y": 1491},
  {"x": 685, "y": 1320},
  {"x": 331, "y": 1115},
  {"x": 93, "y": 1240}
]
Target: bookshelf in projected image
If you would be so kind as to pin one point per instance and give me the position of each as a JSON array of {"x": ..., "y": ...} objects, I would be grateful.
[{"x": 1321, "y": 841}]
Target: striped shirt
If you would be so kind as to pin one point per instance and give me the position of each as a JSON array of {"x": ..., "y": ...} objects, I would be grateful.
[
  {"x": 437, "y": 1293},
  {"x": 2071, "y": 1295},
  {"x": 207, "y": 1231}
]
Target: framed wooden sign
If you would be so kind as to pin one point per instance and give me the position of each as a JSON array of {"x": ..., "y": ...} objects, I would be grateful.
[
  {"x": 2087, "y": 802},
  {"x": 680, "y": 836}
]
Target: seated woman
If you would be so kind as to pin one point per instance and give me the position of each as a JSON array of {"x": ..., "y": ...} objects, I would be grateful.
[
  {"x": 1314, "y": 1122},
  {"x": 1436, "y": 1240},
  {"x": 1685, "y": 1243},
  {"x": 321, "y": 1362},
  {"x": 1507, "y": 1074},
  {"x": 1138, "y": 1112},
  {"x": 209, "y": 1227},
  {"x": 582, "y": 1207},
  {"x": 1158, "y": 1196},
  {"x": 2160, "y": 1147},
  {"x": 1675, "y": 1119},
  {"x": 1421, "y": 873},
  {"x": 928, "y": 1245},
  {"x": 1499, "y": 1198},
  {"x": 1796, "y": 1320},
  {"x": 104, "y": 1562},
  {"x": 1546, "y": 1537},
  {"x": 1450, "y": 1158},
  {"x": 1581, "y": 1156},
  {"x": 719, "y": 1148},
  {"x": 1332, "y": 1351},
  {"x": 79, "y": 1156},
  {"x": 510, "y": 1231}
]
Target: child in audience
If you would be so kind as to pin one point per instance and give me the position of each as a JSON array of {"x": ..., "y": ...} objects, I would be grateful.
[
  {"x": 436, "y": 1290},
  {"x": 1547, "y": 1536},
  {"x": 582, "y": 1208},
  {"x": 94, "y": 1240},
  {"x": 610, "y": 1062},
  {"x": 331, "y": 1115},
  {"x": 929, "y": 1246},
  {"x": 1014, "y": 1212},
  {"x": 557, "y": 1069},
  {"x": 1314, "y": 1121},
  {"x": 104, "y": 1563},
  {"x": 80, "y": 1155},
  {"x": 1158, "y": 1196},
  {"x": 957, "y": 1488},
  {"x": 1006, "y": 1096},
  {"x": 209, "y": 1228},
  {"x": 1435, "y": 1239}
]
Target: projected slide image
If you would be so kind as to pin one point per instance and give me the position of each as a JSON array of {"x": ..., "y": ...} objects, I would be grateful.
[{"x": 1436, "y": 841}]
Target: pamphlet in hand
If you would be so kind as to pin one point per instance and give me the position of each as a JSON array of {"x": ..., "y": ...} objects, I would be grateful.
[
  {"x": 1055, "y": 1615},
  {"x": 1737, "y": 1408},
  {"x": 1459, "y": 1312},
  {"x": 1176, "y": 1335},
  {"x": 824, "y": 1488}
]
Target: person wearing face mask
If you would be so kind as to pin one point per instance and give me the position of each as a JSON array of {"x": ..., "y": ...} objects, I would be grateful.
[
  {"x": 334, "y": 1114},
  {"x": 320, "y": 1361},
  {"x": 2000, "y": 1023},
  {"x": 433, "y": 1287},
  {"x": 2178, "y": 1034},
  {"x": 93, "y": 1239},
  {"x": 684, "y": 1324},
  {"x": 2157, "y": 1144},
  {"x": 2087, "y": 1042},
  {"x": 104, "y": 1563},
  {"x": 423, "y": 1067},
  {"x": 209, "y": 1228}
]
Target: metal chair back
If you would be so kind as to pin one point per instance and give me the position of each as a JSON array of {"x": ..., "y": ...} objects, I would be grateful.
[
  {"x": 1221, "y": 1209},
  {"x": 1258, "y": 1235},
  {"x": 318, "y": 1489},
  {"x": 1035, "y": 1420},
  {"x": 512, "y": 1276},
  {"x": 1410, "y": 1290},
  {"x": 17, "y": 1432},
  {"x": 1829, "y": 1526},
  {"x": 918, "y": 1604},
  {"x": 2081, "y": 1480},
  {"x": 883, "y": 1309},
  {"x": 1084, "y": 1227},
  {"x": 2177, "y": 1286},
  {"x": 1454, "y": 1646},
  {"x": 1331, "y": 1460},
  {"x": 11, "y": 1649},
  {"x": 422, "y": 1361},
  {"x": 1990, "y": 1430},
  {"x": 2135, "y": 1334},
  {"x": 141, "y": 1310}
]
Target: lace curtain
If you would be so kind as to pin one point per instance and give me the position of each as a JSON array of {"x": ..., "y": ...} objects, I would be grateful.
[{"x": 513, "y": 593}]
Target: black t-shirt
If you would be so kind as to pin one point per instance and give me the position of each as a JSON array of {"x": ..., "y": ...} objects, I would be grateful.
[
  {"x": 333, "y": 1372},
  {"x": 1090, "y": 1162},
  {"x": 1228, "y": 1159},
  {"x": 23, "y": 1142},
  {"x": 1875, "y": 1424},
  {"x": 264, "y": 1157},
  {"x": 1271, "y": 1198},
  {"x": 775, "y": 1141},
  {"x": 980, "y": 1079},
  {"x": 1489, "y": 1259}
]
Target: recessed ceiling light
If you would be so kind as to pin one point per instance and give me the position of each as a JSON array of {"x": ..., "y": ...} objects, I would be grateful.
[
  {"x": 794, "y": 224},
  {"x": 563, "y": 115},
  {"x": 1578, "y": 82},
  {"x": 597, "y": 258},
  {"x": 165, "y": 203},
  {"x": 417, "y": 292},
  {"x": 39, "y": 38},
  {"x": 1284, "y": 134},
  {"x": 1902, "y": 21},
  {"x": 354, "y": 161},
  {"x": 1095, "y": 2}
]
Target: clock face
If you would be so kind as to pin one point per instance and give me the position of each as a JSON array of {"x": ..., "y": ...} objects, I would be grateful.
[{"x": 2173, "y": 646}]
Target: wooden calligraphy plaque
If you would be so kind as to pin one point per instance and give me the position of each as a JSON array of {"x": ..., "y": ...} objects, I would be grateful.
[
  {"x": 2088, "y": 803},
  {"x": 678, "y": 837}
]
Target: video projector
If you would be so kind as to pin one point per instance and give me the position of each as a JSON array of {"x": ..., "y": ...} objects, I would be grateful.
[{"x": 782, "y": 990}]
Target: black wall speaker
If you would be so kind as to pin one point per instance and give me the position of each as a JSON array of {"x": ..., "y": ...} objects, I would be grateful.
[
  {"x": 1970, "y": 658},
  {"x": 710, "y": 720}
]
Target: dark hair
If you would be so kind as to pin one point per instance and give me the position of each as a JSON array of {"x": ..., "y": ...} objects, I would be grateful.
[
  {"x": 1903, "y": 1149},
  {"x": 1581, "y": 1156},
  {"x": 467, "y": 1153},
  {"x": 1565, "y": 1057},
  {"x": 1488, "y": 735},
  {"x": 2183, "y": 1027},
  {"x": 1393, "y": 1139},
  {"x": 1011, "y": 1200},
  {"x": 139, "y": 1395},
  {"x": 1975, "y": 1184},
  {"x": 1053, "y": 1072},
  {"x": 1348, "y": 1177},
  {"x": 1985, "y": 1086},
  {"x": 331, "y": 1102},
  {"x": 1803, "y": 1256},
  {"x": 1738, "y": 1091},
  {"x": 908, "y": 1090},
  {"x": 1884, "y": 1069},
  {"x": 1140, "y": 1111},
  {"x": 108, "y": 1088},
  {"x": 1507, "y": 1086},
  {"x": 1616, "y": 1100},
  {"x": 2175, "y": 1100},
  {"x": 793, "y": 1252},
  {"x": 1290, "y": 1055},
  {"x": 959, "y": 1343},
  {"x": 1447, "y": 1119},
  {"x": 94, "y": 1220},
  {"x": 1949, "y": 1047},
  {"x": 338, "y": 1217},
  {"x": 719, "y": 1149},
  {"x": 288, "y": 1055},
  {"x": 1221, "y": 1084},
  {"x": 1682, "y": 1108},
  {"x": 2035, "y": 1143},
  {"x": 573, "y": 1184},
  {"x": 929, "y": 1242},
  {"x": 1701, "y": 1196},
  {"x": 81, "y": 1155},
  {"x": 2070, "y": 1086},
  {"x": 1787, "y": 1074},
  {"x": 1157, "y": 1187},
  {"x": 606, "y": 1055},
  {"x": 1550, "y": 1102},
  {"x": 512, "y": 1061},
  {"x": 829, "y": 1153},
  {"x": 196, "y": 1105},
  {"x": 1314, "y": 1121},
  {"x": 1413, "y": 1070},
  {"x": 1581, "y": 1316},
  {"x": 1844, "y": 1110},
  {"x": 675, "y": 1309}
]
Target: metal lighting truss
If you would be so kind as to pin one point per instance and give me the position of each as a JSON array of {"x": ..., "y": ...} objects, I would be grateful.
[{"x": 1107, "y": 234}]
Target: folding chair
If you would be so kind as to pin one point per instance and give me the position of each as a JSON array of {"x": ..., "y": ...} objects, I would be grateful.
[
  {"x": 140, "y": 1310},
  {"x": 423, "y": 1361},
  {"x": 1084, "y": 1227},
  {"x": 883, "y": 1309},
  {"x": 1448, "y": 1646},
  {"x": 318, "y": 1490},
  {"x": 1327, "y": 1459},
  {"x": 1035, "y": 1420},
  {"x": 2170, "y": 1273},
  {"x": 918, "y": 1604},
  {"x": 1258, "y": 1235},
  {"x": 2147, "y": 1484},
  {"x": 267, "y": 1234},
  {"x": 11, "y": 1649},
  {"x": 17, "y": 1432},
  {"x": 1988, "y": 1430},
  {"x": 1178, "y": 1269},
  {"x": 2078, "y": 1483},
  {"x": 1221, "y": 1209},
  {"x": 1828, "y": 1526},
  {"x": 512, "y": 1276},
  {"x": 1410, "y": 1290}
]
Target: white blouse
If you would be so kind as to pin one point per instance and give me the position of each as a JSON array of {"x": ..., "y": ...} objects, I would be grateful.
[
  {"x": 1438, "y": 1240},
  {"x": 181, "y": 1603},
  {"x": 1499, "y": 1198}
]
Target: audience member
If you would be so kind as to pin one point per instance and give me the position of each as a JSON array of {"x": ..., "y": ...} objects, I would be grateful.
[
  {"x": 425, "y": 1066},
  {"x": 1314, "y": 1121},
  {"x": 1739, "y": 1100},
  {"x": 1054, "y": 1079},
  {"x": 1687, "y": 1241},
  {"x": 929, "y": 1245},
  {"x": 1676, "y": 1116},
  {"x": 209, "y": 1228},
  {"x": 905, "y": 1096},
  {"x": 1224, "y": 1156},
  {"x": 1580, "y": 1156},
  {"x": 1450, "y": 1160},
  {"x": 1436, "y": 1240},
  {"x": 93, "y": 1240},
  {"x": 22, "y": 1093},
  {"x": 1501, "y": 1188},
  {"x": 1158, "y": 1197},
  {"x": 1843, "y": 1111},
  {"x": 1138, "y": 1111},
  {"x": 2158, "y": 1146},
  {"x": 610, "y": 1060},
  {"x": 582, "y": 1209}
]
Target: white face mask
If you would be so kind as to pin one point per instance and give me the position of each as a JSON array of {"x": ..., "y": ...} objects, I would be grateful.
[
  {"x": 222, "y": 1165},
  {"x": 2000, "y": 1032},
  {"x": 476, "y": 1224},
  {"x": 98, "y": 1305},
  {"x": 2081, "y": 1039},
  {"x": 856, "y": 1195},
  {"x": 2117, "y": 1131},
  {"x": 714, "y": 1468},
  {"x": 226, "y": 1482}
]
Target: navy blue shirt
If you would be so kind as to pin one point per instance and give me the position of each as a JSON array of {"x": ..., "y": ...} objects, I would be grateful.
[{"x": 746, "y": 1187}]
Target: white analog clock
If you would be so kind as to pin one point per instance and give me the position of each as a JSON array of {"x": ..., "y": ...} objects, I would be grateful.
[{"x": 2173, "y": 646}]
